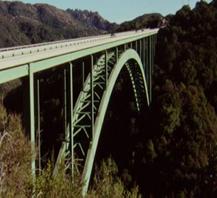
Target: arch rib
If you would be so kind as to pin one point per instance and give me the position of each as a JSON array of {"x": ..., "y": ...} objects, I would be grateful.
[{"x": 128, "y": 55}]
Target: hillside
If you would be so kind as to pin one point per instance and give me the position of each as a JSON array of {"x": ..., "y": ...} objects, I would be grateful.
[
  {"x": 145, "y": 21},
  {"x": 92, "y": 19},
  {"x": 25, "y": 23},
  {"x": 22, "y": 23},
  {"x": 178, "y": 153}
]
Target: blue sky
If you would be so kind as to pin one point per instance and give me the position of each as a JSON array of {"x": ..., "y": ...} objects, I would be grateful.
[{"x": 120, "y": 10}]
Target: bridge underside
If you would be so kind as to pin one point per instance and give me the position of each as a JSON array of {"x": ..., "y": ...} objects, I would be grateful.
[{"x": 88, "y": 83}]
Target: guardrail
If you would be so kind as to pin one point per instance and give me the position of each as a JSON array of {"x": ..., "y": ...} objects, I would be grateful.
[
  {"x": 42, "y": 47},
  {"x": 30, "y": 49}
]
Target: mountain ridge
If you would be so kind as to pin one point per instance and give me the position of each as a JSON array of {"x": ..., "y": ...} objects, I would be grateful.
[{"x": 22, "y": 23}]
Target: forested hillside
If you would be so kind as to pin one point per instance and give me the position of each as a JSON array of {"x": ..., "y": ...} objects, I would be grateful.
[
  {"x": 178, "y": 155},
  {"x": 93, "y": 20},
  {"x": 26, "y": 23},
  {"x": 152, "y": 20},
  {"x": 22, "y": 23}
]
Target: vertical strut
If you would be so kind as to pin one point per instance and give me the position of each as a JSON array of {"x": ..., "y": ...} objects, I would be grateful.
[
  {"x": 147, "y": 61},
  {"x": 65, "y": 101},
  {"x": 106, "y": 68},
  {"x": 153, "y": 54},
  {"x": 83, "y": 74},
  {"x": 71, "y": 118},
  {"x": 38, "y": 125},
  {"x": 143, "y": 55},
  {"x": 116, "y": 54},
  {"x": 155, "y": 42},
  {"x": 140, "y": 48},
  {"x": 150, "y": 70},
  {"x": 32, "y": 119},
  {"x": 92, "y": 96}
]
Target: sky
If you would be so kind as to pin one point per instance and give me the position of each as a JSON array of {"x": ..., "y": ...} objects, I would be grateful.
[{"x": 120, "y": 10}]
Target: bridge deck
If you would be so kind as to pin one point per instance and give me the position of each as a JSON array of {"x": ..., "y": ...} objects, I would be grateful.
[{"x": 10, "y": 57}]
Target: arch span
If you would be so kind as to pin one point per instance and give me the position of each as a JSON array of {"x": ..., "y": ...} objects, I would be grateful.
[{"x": 126, "y": 57}]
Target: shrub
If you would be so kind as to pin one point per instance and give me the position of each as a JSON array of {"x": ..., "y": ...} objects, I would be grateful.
[{"x": 15, "y": 170}]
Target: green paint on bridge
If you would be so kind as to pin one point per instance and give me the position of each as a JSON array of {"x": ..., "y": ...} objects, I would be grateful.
[{"x": 131, "y": 50}]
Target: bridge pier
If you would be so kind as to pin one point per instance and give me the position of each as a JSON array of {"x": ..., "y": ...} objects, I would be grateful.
[
  {"x": 92, "y": 95},
  {"x": 32, "y": 119},
  {"x": 106, "y": 68},
  {"x": 150, "y": 67},
  {"x": 71, "y": 118},
  {"x": 38, "y": 120}
]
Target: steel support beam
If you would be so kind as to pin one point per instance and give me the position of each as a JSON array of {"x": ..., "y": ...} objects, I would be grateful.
[
  {"x": 128, "y": 55},
  {"x": 143, "y": 55},
  {"x": 65, "y": 101},
  {"x": 83, "y": 74},
  {"x": 147, "y": 61},
  {"x": 150, "y": 70},
  {"x": 116, "y": 54},
  {"x": 106, "y": 68},
  {"x": 71, "y": 118},
  {"x": 32, "y": 119},
  {"x": 92, "y": 95},
  {"x": 38, "y": 124}
]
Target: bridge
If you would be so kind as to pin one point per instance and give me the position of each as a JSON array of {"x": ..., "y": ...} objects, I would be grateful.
[{"x": 99, "y": 60}]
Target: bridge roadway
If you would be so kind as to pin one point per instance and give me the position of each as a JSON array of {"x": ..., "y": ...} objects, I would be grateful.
[{"x": 21, "y": 55}]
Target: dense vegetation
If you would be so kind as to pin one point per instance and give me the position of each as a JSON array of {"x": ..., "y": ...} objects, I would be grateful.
[
  {"x": 15, "y": 170},
  {"x": 175, "y": 142},
  {"x": 22, "y": 23},
  {"x": 177, "y": 157},
  {"x": 25, "y": 23},
  {"x": 145, "y": 21},
  {"x": 92, "y": 19}
]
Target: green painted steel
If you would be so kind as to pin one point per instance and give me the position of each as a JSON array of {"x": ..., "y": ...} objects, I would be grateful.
[
  {"x": 13, "y": 73},
  {"x": 124, "y": 58},
  {"x": 8, "y": 74},
  {"x": 106, "y": 68},
  {"x": 32, "y": 119},
  {"x": 71, "y": 118},
  {"x": 62, "y": 59},
  {"x": 150, "y": 70},
  {"x": 87, "y": 116},
  {"x": 38, "y": 136},
  {"x": 92, "y": 95}
]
